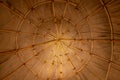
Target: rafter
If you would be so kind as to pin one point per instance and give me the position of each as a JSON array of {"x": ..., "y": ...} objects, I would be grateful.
[
  {"x": 112, "y": 37},
  {"x": 23, "y": 18},
  {"x": 64, "y": 12},
  {"x": 71, "y": 51},
  {"x": 68, "y": 57},
  {"x": 84, "y": 63},
  {"x": 24, "y": 63},
  {"x": 28, "y": 47},
  {"x": 50, "y": 67},
  {"x": 74, "y": 39},
  {"x": 94, "y": 74}
]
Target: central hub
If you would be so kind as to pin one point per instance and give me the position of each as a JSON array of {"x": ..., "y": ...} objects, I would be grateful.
[{"x": 57, "y": 39}]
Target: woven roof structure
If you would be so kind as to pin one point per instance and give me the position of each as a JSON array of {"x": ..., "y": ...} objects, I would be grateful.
[{"x": 59, "y": 39}]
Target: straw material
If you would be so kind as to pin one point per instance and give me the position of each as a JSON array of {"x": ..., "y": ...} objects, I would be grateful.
[{"x": 59, "y": 39}]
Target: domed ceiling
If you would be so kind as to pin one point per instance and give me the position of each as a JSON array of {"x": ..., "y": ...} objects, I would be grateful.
[{"x": 59, "y": 39}]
